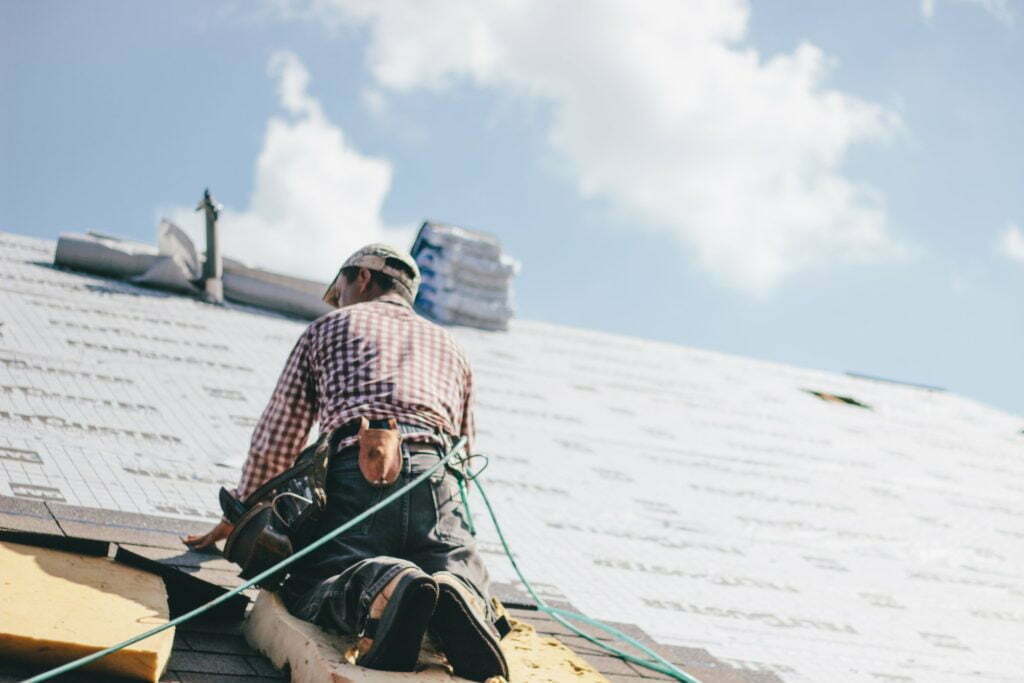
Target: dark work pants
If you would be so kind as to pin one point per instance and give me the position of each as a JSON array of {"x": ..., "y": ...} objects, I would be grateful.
[{"x": 334, "y": 585}]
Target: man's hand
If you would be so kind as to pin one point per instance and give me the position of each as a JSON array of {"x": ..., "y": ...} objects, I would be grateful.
[{"x": 203, "y": 541}]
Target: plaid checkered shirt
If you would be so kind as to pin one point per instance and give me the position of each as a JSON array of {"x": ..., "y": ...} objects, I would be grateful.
[{"x": 377, "y": 359}]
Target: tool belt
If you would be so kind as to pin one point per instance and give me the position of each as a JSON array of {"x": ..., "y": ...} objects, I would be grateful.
[{"x": 281, "y": 514}]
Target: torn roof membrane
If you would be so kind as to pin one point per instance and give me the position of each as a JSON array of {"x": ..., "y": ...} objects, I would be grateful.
[{"x": 706, "y": 498}]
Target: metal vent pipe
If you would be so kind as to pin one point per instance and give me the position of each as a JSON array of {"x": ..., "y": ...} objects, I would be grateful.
[{"x": 213, "y": 266}]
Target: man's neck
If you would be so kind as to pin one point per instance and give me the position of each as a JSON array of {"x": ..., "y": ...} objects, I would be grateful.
[{"x": 391, "y": 297}]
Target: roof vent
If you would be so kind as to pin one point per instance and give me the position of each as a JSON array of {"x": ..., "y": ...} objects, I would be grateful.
[{"x": 213, "y": 267}]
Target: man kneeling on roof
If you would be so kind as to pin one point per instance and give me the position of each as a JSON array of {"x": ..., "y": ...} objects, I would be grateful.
[{"x": 412, "y": 566}]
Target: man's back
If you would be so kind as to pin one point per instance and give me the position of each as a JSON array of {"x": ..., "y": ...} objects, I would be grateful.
[{"x": 377, "y": 359}]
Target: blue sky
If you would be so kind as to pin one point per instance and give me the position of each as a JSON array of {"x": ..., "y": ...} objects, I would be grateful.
[{"x": 831, "y": 185}]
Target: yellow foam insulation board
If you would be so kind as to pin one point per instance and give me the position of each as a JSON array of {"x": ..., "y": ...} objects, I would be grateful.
[
  {"x": 57, "y": 606},
  {"x": 533, "y": 658},
  {"x": 315, "y": 656}
]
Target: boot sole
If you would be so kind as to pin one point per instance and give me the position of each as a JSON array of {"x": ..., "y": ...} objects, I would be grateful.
[
  {"x": 471, "y": 649},
  {"x": 396, "y": 645}
]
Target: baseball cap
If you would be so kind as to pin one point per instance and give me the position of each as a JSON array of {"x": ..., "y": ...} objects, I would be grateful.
[{"x": 375, "y": 257}]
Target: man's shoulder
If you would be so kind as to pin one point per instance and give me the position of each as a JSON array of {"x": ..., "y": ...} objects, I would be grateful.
[
  {"x": 328, "y": 319},
  {"x": 372, "y": 310},
  {"x": 452, "y": 342},
  {"x": 436, "y": 330},
  {"x": 361, "y": 316},
  {"x": 425, "y": 329}
]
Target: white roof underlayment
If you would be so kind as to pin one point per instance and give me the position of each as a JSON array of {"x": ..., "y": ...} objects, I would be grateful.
[{"x": 709, "y": 499}]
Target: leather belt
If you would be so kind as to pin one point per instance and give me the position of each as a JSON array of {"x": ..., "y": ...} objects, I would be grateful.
[{"x": 351, "y": 428}]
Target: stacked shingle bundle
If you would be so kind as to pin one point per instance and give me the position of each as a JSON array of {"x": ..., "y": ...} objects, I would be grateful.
[{"x": 467, "y": 280}]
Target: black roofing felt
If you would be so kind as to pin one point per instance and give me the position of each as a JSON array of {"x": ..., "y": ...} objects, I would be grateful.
[
  {"x": 186, "y": 592},
  {"x": 70, "y": 544}
]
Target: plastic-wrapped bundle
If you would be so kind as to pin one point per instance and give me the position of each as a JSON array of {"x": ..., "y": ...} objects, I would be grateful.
[
  {"x": 467, "y": 280},
  {"x": 470, "y": 270}
]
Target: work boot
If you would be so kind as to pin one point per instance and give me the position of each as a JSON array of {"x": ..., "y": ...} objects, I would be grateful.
[
  {"x": 399, "y": 616},
  {"x": 463, "y": 632}
]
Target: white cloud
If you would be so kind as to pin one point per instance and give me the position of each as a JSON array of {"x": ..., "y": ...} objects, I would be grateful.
[
  {"x": 959, "y": 284},
  {"x": 1011, "y": 243},
  {"x": 374, "y": 101},
  {"x": 1001, "y": 10},
  {"x": 315, "y": 198},
  {"x": 664, "y": 108}
]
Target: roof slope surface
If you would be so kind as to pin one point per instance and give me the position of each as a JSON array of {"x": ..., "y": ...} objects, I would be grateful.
[{"x": 711, "y": 500}]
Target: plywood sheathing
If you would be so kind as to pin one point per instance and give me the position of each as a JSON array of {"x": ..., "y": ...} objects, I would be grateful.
[
  {"x": 60, "y": 606},
  {"x": 314, "y": 655}
]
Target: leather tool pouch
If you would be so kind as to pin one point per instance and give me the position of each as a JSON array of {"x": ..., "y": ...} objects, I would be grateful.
[
  {"x": 278, "y": 516},
  {"x": 257, "y": 543},
  {"x": 380, "y": 455}
]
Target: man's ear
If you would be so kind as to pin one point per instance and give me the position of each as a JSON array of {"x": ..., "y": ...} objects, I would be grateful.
[{"x": 363, "y": 280}]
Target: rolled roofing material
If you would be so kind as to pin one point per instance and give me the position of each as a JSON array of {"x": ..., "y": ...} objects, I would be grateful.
[
  {"x": 104, "y": 255},
  {"x": 90, "y": 604},
  {"x": 282, "y": 293},
  {"x": 173, "y": 266}
]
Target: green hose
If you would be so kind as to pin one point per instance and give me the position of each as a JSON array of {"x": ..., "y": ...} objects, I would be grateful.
[
  {"x": 655, "y": 663},
  {"x": 70, "y": 666},
  {"x": 465, "y": 504}
]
